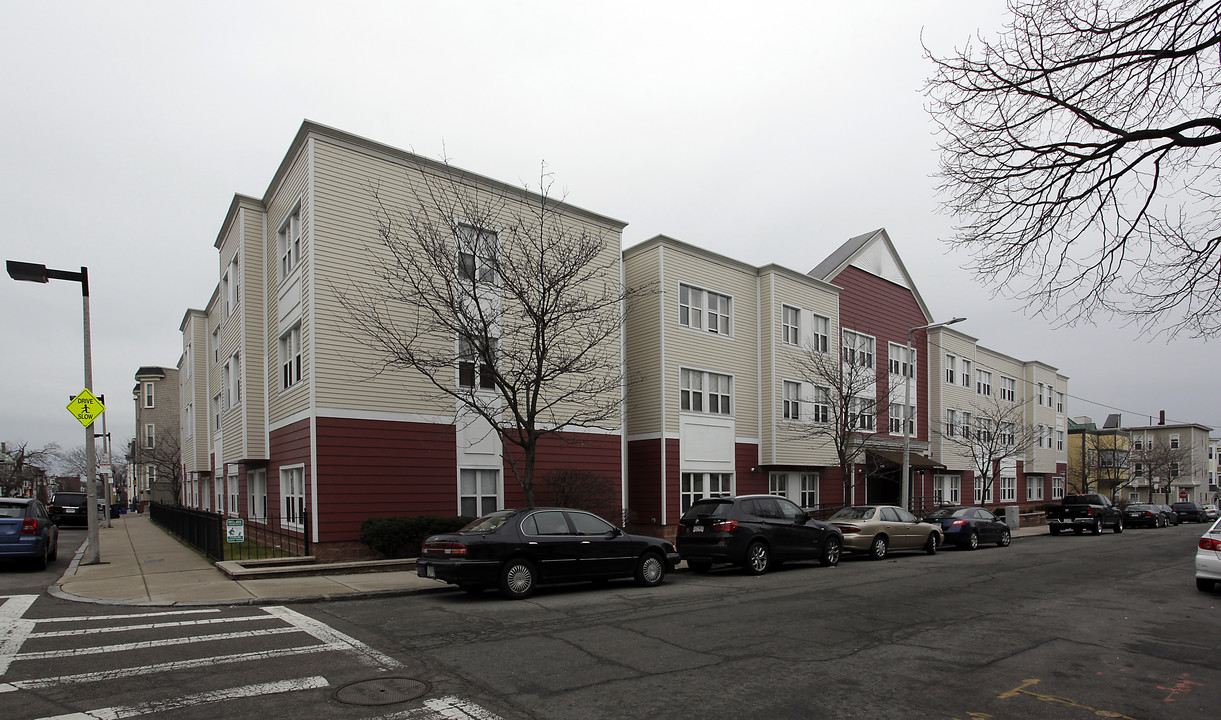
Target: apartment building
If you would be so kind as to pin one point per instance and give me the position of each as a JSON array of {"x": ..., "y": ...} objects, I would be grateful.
[
  {"x": 1098, "y": 458},
  {"x": 1169, "y": 462},
  {"x": 155, "y": 447},
  {"x": 307, "y": 425}
]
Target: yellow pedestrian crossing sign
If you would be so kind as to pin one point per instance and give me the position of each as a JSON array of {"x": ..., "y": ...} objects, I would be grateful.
[{"x": 86, "y": 407}]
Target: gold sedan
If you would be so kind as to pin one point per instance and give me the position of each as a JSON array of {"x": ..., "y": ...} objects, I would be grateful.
[{"x": 878, "y": 529}]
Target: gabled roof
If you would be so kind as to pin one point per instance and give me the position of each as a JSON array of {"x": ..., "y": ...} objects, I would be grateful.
[{"x": 874, "y": 253}]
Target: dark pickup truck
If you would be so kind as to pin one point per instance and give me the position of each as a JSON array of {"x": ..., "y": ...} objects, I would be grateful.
[{"x": 1089, "y": 511}]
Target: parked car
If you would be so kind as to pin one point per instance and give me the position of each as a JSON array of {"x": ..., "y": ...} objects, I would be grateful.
[
  {"x": 1168, "y": 512},
  {"x": 1208, "y": 558},
  {"x": 1211, "y": 512},
  {"x": 967, "y": 527},
  {"x": 878, "y": 529},
  {"x": 1144, "y": 515},
  {"x": 69, "y": 507},
  {"x": 516, "y": 550},
  {"x": 27, "y": 533},
  {"x": 756, "y": 532},
  {"x": 1189, "y": 511}
]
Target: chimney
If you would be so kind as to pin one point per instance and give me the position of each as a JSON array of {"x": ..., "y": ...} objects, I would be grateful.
[{"x": 1161, "y": 417}]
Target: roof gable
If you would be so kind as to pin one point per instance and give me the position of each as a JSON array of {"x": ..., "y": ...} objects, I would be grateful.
[{"x": 874, "y": 253}]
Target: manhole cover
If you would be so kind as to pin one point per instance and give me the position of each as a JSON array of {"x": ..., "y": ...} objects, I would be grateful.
[{"x": 382, "y": 691}]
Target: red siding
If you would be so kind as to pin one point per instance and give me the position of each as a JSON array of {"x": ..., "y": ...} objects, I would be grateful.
[
  {"x": 599, "y": 454},
  {"x": 880, "y": 308},
  {"x": 644, "y": 481},
  {"x": 749, "y": 483},
  {"x": 290, "y": 445}
]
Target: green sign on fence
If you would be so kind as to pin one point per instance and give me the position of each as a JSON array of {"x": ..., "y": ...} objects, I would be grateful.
[{"x": 235, "y": 530}]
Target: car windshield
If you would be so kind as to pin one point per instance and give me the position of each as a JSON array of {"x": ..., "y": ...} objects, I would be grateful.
[
  {"x": 854, "y": 513},
  {"x": 488, "y": 523},
  {"x": 710, "y": 508},
  {"x": 946, "y": 512}
]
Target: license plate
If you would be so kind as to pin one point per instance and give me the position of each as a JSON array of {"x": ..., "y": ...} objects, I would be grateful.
[
  {"x": 697, "y": 528},
  {"x": 70, "y": 510},
  {"x": 430, "y": 571}
]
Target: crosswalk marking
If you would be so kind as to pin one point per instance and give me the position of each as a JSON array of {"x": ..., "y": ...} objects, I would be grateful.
[
  {"x": 14, "y": 628},
  {"x": 149, "y": 626},
  {"x": 148, "y": 644},
  {"x": 162, "y": 706}
]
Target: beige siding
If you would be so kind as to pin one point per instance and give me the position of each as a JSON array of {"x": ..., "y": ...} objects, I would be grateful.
[
  {"x": 644, "y": 344},
  {"x": 944, "y": 395},
  {"x": 254, "y": 347},
  {"x": 279, "y": 312}
]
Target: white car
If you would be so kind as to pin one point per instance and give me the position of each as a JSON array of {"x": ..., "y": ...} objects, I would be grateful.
[
  {"x": 1211, "y": 512},
  {"x": 1208, "y": 558}
]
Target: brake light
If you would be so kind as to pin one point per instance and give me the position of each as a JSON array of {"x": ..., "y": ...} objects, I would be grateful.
[
  {"x": 1210, "y": 544},
  {"x": 1089, "y": 511},
  {"x": 725, "y": 525},
  {"x": 444, "y": 548},
  {"x": 29, "y": 527},
  {"x": 845, "y": 529},
  {"x": 956, "y": 523}
]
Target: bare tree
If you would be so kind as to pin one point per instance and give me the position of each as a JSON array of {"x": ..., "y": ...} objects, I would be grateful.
[
  {"x": 503, "y": 300},
  {"x": 165, "y": 457},
  {"x": 991, "y": 432},
  {"x": 582, "y": 489},
  {"x": 842, "y": 410},
  {"x": 18, "y": 462},
  {"x": 1158, "y": 463},
  {"x": 1081, "y": 156},
  {"x": 1103, "y": 466},
  {"x": 72, "y": 461}
]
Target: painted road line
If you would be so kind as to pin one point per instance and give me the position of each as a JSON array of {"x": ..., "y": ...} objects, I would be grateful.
[
  {"x": 148, "y": 626},
  {"x": 149, "y": 644},
  {"x": 443, "y": 708},
  {"x": 14, "y": 629},
  {"x": 334, "y": 638},
  {"x": 112, "y": 618},
  {"x": 165, "y": 706}
]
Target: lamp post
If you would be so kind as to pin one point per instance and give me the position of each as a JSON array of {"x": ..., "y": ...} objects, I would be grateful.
[
  {"x": 905, "y": 481},
  {"x": 33, "y": 272}
]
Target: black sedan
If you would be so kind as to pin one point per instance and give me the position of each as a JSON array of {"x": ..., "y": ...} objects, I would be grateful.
[
  {"x": 1144, "y": 515},
  {"x": 27, "y": 533},
  {"x": 516, "y": 550},
  {"x": 967, "y": 527},
  {"x": 1168, "y": 512},
  {"x": 756, "y": 532}
]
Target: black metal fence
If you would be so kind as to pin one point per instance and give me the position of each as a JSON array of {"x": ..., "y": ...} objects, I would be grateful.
[{"x": 209, "y": 533}]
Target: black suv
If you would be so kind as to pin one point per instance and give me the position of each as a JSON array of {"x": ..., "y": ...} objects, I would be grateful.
[
  {"x": 1189, "y": 511},
  {"x": 756, "y": 532},
  {"x": 69, "y": 507}
]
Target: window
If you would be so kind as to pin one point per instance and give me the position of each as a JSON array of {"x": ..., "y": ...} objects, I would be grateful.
[
  {"x": 220, "y": 495},
  {"x": 1174, "y": 441},
  {"x": 1137, "y": 469},
  {"x": 1008, "y": 434},
  {"x": 292, "y": 489},
  {"x": 289, "y": 243},
  {"x": 1060, "y": 403},
  {"x": 256, "y": 481},
  {"x": 233, "y": 381},
  {"x": 820, "y": 408},
  {"x": 902, "y": 363},
  {"x": 467, "y": 357},
  {"x": 233, "y": 286},
  {"x": 896, "y": 419},
  {"x": 701, "y": 391},
  {"x": 951, "y": 422},
  {"x": 150, "y": 435},
  {"x": 983, "y": 383},
  {"x": 703, "y": 310},
  {"x": 290, "y": 357},
  {"x": 216, "y": 408},
  {"x": 697, "y": 485},
  {"x": 1008, "y": 389},
  {"x": 150, "y": 476},
  {"x": 1008, "y": 489},
  {"x": 477, "y": 492},
  {"x": 1059, "y": 439},
  {"x": 477, "y": 253},
  {"x": 809, "y": 490},
  {"x": 188, "y": 421},
  {"x": 947, "y": 489},
  {"x": 1174, "y": 470},
  {"x": 778, "y": 484},
  {"x": 965, "y": 427},
  {"x": 858, "y": 349},
  {"x": 861, "y": 414},
  {"x": 790, "y": 325},
  {"x": 951, "y": 366},
  {"x": 792, "y": 400},
  {"x": 820, "y": 333},
  {"x": 1057, "y": 487},
  {"x": 983, "y": 431},
  {"x": 148, "y": 395},
  {"x": 966, "y": 373},
  {"x": 216, "y": 345},
  {"x": 982, "y": 494},
  {"x": 1042, "y": 389},
  {"x": 1040, "y": 432},
  {"x": 1034, "y": 488},
  {"x": 188, "y": 361},
  {"x": 233, "y": 485},
  {"x": 1138, "y": 443}
]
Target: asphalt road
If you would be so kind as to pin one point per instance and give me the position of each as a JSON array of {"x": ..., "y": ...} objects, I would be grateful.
[{"x": 1067, "y": 627}]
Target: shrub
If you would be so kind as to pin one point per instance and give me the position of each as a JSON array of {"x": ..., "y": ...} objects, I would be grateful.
[{"x": 399, "y": 537}]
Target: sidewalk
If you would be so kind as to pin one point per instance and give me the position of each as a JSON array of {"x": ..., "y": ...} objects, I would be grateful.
[{"x": 144, "y": 565}]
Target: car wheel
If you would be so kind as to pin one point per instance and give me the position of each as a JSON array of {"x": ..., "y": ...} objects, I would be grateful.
[
  {"x": 472, "y": 588},
  {"x": 1055, "y": 530},
  {"x": 40, "y": 562},
  {"x": 54, "y": 551},
  {"x": 758, "y": 557},
  {"x": 1118, "y": 526},
  {"x": 972, "y": 541},
  {"x": 930, "y": 545},
  {"x": 877, "y": 549},
  {"x": 1006, "y": 538},
  {"x": 517, "y": 579},
  {"x": 1097, "y": 529},
  {"x": 651, "y": 570},
  {"x": 1205, "y": 585},
  {"x": 831, "y": 550},
  {"x": 699, "y": 566}
]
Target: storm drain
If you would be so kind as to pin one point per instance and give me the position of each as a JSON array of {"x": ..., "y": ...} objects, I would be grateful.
[{"x": 381, "y": 691}]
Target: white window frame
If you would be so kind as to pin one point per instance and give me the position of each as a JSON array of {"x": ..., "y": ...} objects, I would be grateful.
[
  {"x": 1008, "y": 388},
  {"x": 290, "y": 357},
  {"x": 288, "y": 243},
  {"x": 150, "y": 399},
  {"x": 700, "y": 390},
  {"x": 790, "y": 325},
  {"x": 951, "y": 423},
  {"x": 698, "y": 485},
  {"x": 233, "y": 381},
  {"x": 983, "y": 383},
  {"x": 820, "y": 334},
  {"x": 1059, "y": 440},
  {"x": 478, "y": 251},
  {"x": 1042, "y": 388},
  {"x": 292, "y": 496},
  {"x": 1174, "y": 441},
  {"x": 820, "y": 405},
  {"x": 791, "y": 399},
  {"x": 217, "y": 409},
  {"x": 896, "y": 422},
  {"x": 981, "y": 496},
  {"x": 898, "y": 365},
  {"x": 231, "y": 483},
  {"x": 1057, "y": 487},
  {"x": 256, "y": 487},
  {"x": 951, "y": 367},
  {"x": 705, "y": 310},
  {"x": 479, "y": 490},
  {"x": 966, "y": 375},
  {"x": 1060, "y": 403},
  {"x": 862, "y": 414},
  {"x": 1034, "y": 488},
  {"x": 858, "y": 349},
  {"x": 150, "y": 436},
  {"x": 947, "y": 489},
  {"x": 1008, "y": 491}
]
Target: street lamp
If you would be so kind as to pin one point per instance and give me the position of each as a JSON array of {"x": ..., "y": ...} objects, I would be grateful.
[
  {"x": 33, "y": 272},
  {"x": 905, "y": 481}
]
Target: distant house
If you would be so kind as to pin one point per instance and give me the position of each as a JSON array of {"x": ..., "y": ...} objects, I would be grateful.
[
  {"x": 1098, "y": 459},
  {"x": 1170, "y": 461},
  {"x": 156, "y": 446}
]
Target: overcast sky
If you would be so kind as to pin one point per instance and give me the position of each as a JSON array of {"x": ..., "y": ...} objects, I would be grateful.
[{"x": 767, "y": 132}]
